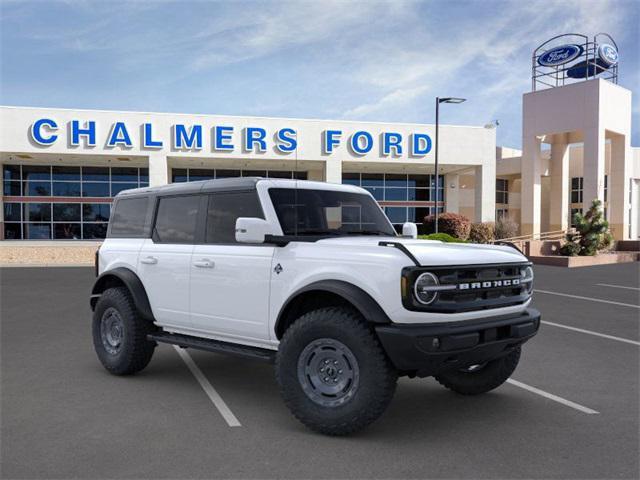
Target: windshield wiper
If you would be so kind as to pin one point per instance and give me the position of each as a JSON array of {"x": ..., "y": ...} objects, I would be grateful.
[{"x": 369, "y": 232}]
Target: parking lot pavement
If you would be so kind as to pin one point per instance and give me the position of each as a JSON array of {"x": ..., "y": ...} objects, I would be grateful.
[{"x": 63, "y": 416}]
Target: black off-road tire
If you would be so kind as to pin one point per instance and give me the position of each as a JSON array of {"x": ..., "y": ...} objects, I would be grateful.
[
  {"x": 370, "y": 394},
  {"x": 489, "y": 376},
  {"x": 134, "y": 351}
]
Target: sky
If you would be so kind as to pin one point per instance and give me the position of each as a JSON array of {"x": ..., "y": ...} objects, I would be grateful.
[{"x": 367, "y": 60}]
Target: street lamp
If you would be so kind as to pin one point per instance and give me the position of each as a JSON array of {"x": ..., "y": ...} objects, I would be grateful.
[{"x": 438, "y": 102}]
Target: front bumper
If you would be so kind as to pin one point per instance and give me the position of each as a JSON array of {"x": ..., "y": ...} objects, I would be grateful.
[{"x": 426, "y": 350}]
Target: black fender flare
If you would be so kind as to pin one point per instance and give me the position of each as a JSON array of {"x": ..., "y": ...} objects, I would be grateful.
[
  {"x": 131, "y": 281},
  {"x": 361, "y": 300}
]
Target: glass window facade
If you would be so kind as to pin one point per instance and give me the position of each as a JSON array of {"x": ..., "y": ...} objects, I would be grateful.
[
  {"x": 413, "y": 196},
  {"x": 75, "y": 200},
  {"x": 576, "y": 190},
  {"x": 502, "y": 190},
  {"x": 195, "y": 174}
]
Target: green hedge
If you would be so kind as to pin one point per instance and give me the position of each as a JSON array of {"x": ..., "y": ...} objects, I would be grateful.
[{"x": 443, "y": 237}]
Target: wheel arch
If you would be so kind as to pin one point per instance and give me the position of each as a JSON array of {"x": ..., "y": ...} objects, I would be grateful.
[
  {"x": 123, "y": 277},
  {"x": 328, "y": 293}
]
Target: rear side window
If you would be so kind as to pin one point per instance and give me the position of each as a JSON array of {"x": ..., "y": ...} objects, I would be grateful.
[
  {"x": 176, "y": 219},
  {"x": 224, "y": 209},
  {"x": 129, "y": 217}
]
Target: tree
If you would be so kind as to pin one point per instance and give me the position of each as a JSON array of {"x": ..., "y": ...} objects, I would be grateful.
[{"x": 591, "y": 235}]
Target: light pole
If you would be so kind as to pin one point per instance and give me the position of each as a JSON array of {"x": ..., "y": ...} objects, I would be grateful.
[{"x": 438, "y": 102}]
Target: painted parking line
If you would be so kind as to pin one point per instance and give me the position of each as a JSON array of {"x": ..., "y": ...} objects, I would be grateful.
[
  {"x": 617, "y": 286},
  {"x": 211, "y": 392},
  {"x": 591, "y": 332},
  {"x": 599, "y": 300},
  {"x": 555, "y": 398}
]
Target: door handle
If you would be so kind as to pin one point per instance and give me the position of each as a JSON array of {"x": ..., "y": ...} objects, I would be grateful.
[
  {"x": 204, "y": 263},
  {"x": 149, "y": 260}
]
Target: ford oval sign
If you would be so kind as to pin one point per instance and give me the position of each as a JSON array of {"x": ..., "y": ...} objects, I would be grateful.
[
  {"x": 560, "y": 55},
  {"x": 608, "y": 54}
]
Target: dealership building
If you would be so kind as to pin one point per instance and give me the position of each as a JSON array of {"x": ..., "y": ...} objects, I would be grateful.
[{"x": 62, "y": 167}]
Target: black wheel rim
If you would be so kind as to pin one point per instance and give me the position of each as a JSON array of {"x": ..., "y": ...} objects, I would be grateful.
[
  {"x": 111, "y": 331},
  {"x": 328, "y": 372}
]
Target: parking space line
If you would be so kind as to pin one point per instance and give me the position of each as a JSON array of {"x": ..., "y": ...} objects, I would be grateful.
[
  {"x": 211, "y": 392},
  {"x": 616, "y": 286},
  {"x": 590, "y": 332},
  {"x": 600, "y": 300},
  {"x": 555, "y": 398}
]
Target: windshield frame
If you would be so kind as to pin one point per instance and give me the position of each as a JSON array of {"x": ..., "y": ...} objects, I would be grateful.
[{"x": 380, "y": 225}]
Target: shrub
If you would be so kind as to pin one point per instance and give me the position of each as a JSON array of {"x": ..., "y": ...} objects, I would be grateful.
[
  {"x": 443, "y": 237},
  {"x": 592, "y": 233},
  {"x": 506, "y": 228},
  {"x": 482, "y": 232},
  {"x": 454, "y": 224}
]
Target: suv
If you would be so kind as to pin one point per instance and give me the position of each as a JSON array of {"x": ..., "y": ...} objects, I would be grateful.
[{"x": 312, "y": 277}]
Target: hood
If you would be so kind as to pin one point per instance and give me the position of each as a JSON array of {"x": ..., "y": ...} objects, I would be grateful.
[{"x": 436, "y": 253}]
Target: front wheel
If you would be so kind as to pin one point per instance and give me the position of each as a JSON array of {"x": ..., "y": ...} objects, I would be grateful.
[
  {"x": 333, "y": 373},
  {"x": 477, "y": 379}
]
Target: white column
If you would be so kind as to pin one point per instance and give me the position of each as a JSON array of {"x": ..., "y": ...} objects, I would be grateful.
[
  {"x": 452, "y": 192},
  {"x": 485, "y": 192},
  {"x": 559, "y": 205},
  {"x": 593, "y": 167},
  {"x": 333, "y": 170},
  {"x": 618, "y": 188},
  {"x": 158, "y": 169},
  {"x": 531, "y": 188}
]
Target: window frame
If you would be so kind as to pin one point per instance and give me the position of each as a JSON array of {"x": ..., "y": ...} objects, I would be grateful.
[{"x": 146, "y": 230}]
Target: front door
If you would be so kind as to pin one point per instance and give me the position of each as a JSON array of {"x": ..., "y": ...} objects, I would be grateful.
[
  {"x": 164, "y": 262},
  {"x": 229, "y": 280}
]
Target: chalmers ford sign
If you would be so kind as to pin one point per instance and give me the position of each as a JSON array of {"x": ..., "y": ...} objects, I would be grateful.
[{"x": 221, "y": 138}]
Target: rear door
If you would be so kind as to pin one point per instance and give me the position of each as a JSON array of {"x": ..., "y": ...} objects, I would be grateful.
[
  {"x": 165, "y": 259},
  {"x": 229, "y": 280}
]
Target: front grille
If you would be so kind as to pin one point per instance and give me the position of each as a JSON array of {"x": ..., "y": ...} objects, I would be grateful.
[{"x": 473, "y": 287}]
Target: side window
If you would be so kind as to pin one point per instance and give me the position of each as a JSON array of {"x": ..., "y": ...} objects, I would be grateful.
[
  {"x": 176, "y": 219},
  {"x": 128, "y": 218},
  {"x": 224, "y": 209}
]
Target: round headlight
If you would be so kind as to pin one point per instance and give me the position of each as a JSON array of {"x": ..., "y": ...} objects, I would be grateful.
[
  {"x": 526, "y": 280},
  {"x": 425, "y": 288}
]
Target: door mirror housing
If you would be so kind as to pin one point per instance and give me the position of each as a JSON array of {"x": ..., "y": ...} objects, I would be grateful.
[
  {"x": 410, "y": 230},
  {"x": 251, "y": 230}
]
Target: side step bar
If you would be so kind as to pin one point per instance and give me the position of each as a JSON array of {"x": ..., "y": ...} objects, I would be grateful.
[{"x": 187, "y": 341}]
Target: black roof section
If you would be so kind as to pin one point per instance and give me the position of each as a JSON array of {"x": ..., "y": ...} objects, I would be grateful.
[{"x": 202, "y": 186}]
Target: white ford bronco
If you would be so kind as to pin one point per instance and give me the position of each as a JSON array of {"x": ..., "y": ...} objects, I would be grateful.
[{"x": 312, "y": 277}]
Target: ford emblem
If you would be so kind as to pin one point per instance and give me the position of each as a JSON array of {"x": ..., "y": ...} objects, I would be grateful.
[
  {"x": 608, "y": 54},
  {"x": 560, "y": 55}
]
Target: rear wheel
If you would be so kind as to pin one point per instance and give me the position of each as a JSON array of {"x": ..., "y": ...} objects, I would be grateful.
[
  {"x": 332, "y": 372},
  {"x": 481, "y": 378},
  {"x": 120, "y": 333}
]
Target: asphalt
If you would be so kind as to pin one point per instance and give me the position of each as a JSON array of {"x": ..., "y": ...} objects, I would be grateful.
[{"x": 64, "y": 416}]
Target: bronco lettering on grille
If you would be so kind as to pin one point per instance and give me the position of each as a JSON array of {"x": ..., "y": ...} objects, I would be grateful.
[{"x": 510, "y": 282}]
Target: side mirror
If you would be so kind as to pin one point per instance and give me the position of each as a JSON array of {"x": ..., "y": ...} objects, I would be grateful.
[
  {"x": 251, "y": 230},
  {"x": 410, "y": 230}
]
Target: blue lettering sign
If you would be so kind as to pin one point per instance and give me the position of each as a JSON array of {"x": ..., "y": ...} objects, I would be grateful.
[
  {"x": 89, "y": 131},
  {"x": 147, "y": 137},
  {"x": 255, "y": 136},
  {"x": 286, "y": 140},
  {"x": 37, "y": 134},
  {"x": 331, "y": 139},
  {"x": 560, "y": 55},
  {"x": 186, "y": 139},
  {"x": 391, "y": 140},
  {"x": 119, "y": 136},
  {"x": 222, "y": 136},
  {"x": 420, "y": 144},
  {"x": 358, "y": 147}
]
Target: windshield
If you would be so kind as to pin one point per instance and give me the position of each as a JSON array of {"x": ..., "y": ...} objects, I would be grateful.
[{"x": 327, "y": 212}]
